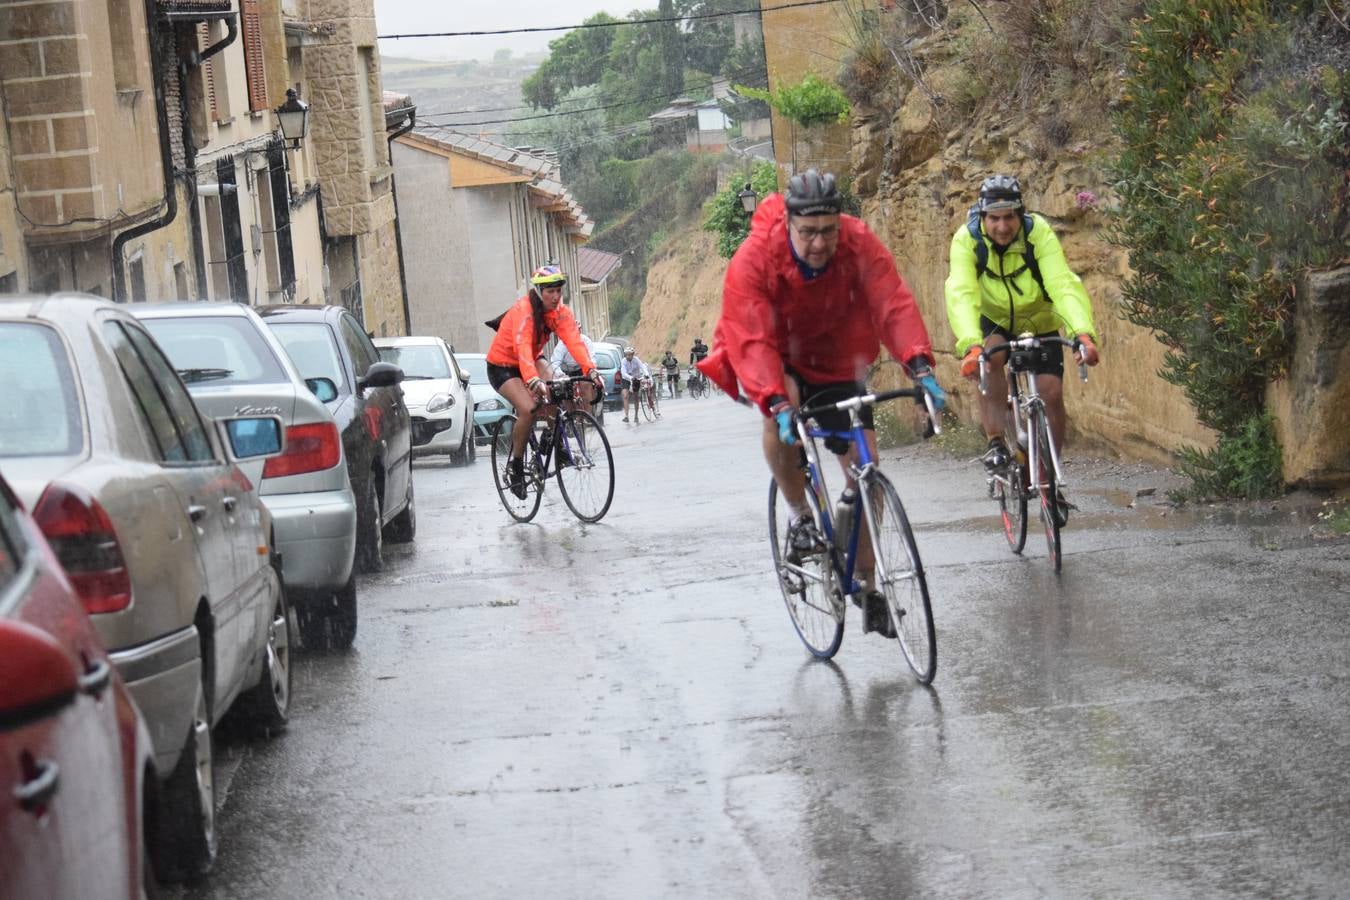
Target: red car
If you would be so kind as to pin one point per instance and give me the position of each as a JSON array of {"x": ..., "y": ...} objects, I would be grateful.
[{"x": 75, "y": 757}]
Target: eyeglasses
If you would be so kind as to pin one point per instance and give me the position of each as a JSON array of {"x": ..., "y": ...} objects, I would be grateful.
[{"x": 828, "y": 233}]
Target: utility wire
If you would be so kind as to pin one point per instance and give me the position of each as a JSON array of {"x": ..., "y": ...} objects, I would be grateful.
[{"x": 613, "y": 24}]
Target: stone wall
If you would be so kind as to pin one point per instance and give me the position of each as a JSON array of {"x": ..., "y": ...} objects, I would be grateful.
[{"x": 1312, "y": 403}]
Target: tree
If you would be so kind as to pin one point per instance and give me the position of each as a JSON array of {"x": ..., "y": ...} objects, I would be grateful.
[{"x": 576, "y": 59}]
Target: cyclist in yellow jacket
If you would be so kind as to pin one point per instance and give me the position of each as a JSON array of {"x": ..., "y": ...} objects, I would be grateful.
[{"x": 1008, "y": 277}]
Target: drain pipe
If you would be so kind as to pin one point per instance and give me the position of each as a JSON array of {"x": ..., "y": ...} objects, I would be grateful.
[
  {"x": 398, "y": 228},
  {"x": 194, "y": 60},
  {"x": 170, "y": 203}
]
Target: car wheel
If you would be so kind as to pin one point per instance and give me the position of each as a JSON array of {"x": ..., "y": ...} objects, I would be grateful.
[
  {"x": 369, "y": 530},
  {"x": 268, "y": 705},
  {"x": 185, "y": 823},
  {"x": 472, "y": 442},
  {"x": 403, "y": 527},
  {"x": 460, "y": 455}
]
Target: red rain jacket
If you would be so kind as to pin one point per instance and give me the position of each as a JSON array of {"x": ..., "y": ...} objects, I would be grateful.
[
  {"x": 827, "y": 329},
  {"x": 515, "y": 346}
]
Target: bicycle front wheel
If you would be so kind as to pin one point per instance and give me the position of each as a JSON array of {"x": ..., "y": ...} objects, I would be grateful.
[
  {"x": 899, "y": 576},
  {"x": 1048, "y": 491},
  {"x": 648, "y": 411},
  {"x": 521, "y": 508},
  {"x": 1012, "y": 504},
  {"x": 585, "y": 466},
  {"x": 810, "y": 589}
]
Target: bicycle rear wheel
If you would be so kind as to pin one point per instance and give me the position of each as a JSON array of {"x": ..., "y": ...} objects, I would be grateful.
[
  {"x": 1048, "y": 491},
  {"x": 585, "y": 466},
  {"x": 1012, "y": 504},
  {"x": 899, "y": 575},
  {"x": 522, "y": 509},
  {"x": 809, "y": 585},
  {"x": 645, "y": 401}
]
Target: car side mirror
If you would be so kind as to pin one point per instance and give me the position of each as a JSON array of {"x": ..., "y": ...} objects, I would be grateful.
[
  {"x": 379, "y": 375},
  {"x": 323, "y": 388},
  {"x": 253, "y": 437},
  {"x": 37, "y": 675},
  {"x": 464, "y": 379}
]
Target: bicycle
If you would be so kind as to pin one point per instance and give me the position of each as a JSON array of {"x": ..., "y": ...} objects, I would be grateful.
[
  {"x": 652, "y": 408},
  {"x": 695, "y": 384},
  {"x": 1031, "y": 447},
  {"x": 573, "y": 443},
  {"x": 816, "y": 586}
]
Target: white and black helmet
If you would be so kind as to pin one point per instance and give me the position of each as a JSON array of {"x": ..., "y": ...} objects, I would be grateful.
[
  {"x": 1000, "y": 192},
  {"x": 813, "y": 194}
]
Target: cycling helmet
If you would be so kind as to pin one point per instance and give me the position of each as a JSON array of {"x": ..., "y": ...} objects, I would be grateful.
[
  {"x": 1000, "y": 192},
  {"x": 628, "y": 350},
  {"x": 548, "y": 276},
  {"x": 813, "y": 194}
]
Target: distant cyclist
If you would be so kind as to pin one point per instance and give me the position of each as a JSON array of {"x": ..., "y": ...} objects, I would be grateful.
[
  {"x": 522, "y": 333},
  {"x": 633, "y": 372},
  {"x": 562, "y": 362},
  {"x": 807, "y": 301},
  {"x": 1019, "y": 283},
  {"x": 697, "y": 352},
  {"x": 671, "y": 366}
]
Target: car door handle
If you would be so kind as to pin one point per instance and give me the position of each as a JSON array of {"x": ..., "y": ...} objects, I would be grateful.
[
  {"x": 95, "y": 679},
  {"x": 35, "y": 794},
  {"x": 196, "y": 512},
  {"x": 229, "y": 503}
]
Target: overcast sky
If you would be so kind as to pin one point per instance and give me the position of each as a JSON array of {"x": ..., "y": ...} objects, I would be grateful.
[{"x": 402, "y": 16}]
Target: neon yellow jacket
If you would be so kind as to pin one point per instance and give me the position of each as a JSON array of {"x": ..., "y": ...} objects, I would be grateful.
[{"x": 995, "y": 293}]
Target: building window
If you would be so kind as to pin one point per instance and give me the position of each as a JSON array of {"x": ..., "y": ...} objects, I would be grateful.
[
  {"x": 255, "y": 66},
  {"x": 214, "y": 83},
  {"x": 136, "y": 277}
]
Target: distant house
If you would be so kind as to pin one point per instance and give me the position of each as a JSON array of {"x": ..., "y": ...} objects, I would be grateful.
[
  {"x": 703, "y": 125},
  {"x": 592, "y": 298},
  {"x": 477, "y": 218}
]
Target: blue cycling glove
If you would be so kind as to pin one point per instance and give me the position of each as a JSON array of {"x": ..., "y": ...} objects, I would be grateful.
[
  {"x": 929, "y": 384},
  {"x": 787, "y": 427}
]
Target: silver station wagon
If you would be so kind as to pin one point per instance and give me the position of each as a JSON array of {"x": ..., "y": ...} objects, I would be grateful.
[
  {"x": 164, "y": 539},
  {"x": 234, "y": 365}
]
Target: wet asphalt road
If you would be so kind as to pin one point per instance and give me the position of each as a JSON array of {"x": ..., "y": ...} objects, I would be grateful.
[{"x": 623, "y": 710}]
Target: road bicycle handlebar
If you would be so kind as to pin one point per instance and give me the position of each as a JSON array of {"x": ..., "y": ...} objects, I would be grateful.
[
  {"x": 1027, "y": 342},
  {"x": 918, "y": 394}
]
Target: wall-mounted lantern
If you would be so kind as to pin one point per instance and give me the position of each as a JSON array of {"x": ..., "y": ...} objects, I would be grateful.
[
  {"x": 293, "y": 117},
  {"x": 748, "y": 199}
]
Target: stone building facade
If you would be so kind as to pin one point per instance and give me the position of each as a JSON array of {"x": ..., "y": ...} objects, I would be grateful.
[{"x": 332, "y": 51}]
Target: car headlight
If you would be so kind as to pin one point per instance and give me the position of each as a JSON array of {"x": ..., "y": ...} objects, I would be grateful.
[
  {"x": 489, "y": 405},
  {"x": 440, "y": 403}
]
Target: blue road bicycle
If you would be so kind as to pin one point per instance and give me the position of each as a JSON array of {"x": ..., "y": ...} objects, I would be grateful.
[{"x": 817, "y": 585}]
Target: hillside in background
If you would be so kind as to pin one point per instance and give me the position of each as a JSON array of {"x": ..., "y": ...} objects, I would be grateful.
[{"x": 450, "y": 91}]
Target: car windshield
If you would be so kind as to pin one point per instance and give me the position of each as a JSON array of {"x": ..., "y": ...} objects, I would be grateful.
[
  {"x": 217, "y": 350},
  {"x": 606, "y": 359},
  {"x": 475, "y": 367},
  {"x": 312, "y": 349},
  {"x": 418, "y": 361},
  {"x": 41, "y": 412}
]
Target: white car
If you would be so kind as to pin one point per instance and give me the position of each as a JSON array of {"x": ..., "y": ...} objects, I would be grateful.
[{"x": 437, "y": 393}]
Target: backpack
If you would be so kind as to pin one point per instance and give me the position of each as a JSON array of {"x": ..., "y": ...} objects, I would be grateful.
[{"x": 982, "y": 249}]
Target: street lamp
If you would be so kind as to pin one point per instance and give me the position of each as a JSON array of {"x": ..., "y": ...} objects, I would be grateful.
[
  {"x": 293, "y": 117},
  {"x": 748, "y": 199}
]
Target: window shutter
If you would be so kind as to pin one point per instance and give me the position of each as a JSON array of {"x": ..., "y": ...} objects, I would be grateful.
[
  {"x": 253, "y": 54},
  {"x": 208, "y": 70}
]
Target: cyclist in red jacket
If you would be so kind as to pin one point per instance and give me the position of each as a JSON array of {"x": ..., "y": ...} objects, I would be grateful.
[
  {"x": 808, "y": 300},
  {"x": 521, "y": 335}
]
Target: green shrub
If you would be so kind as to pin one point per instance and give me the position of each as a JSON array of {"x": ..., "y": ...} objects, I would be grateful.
[
  {"x": 811, "y": 101},
  {"x": 725, "y": 217},
  {"x": 1231, "y": 185}
]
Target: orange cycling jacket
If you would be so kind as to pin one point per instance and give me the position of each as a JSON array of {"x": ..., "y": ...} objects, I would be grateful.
[
  {"x": 515, "y": 345},
  {"x": 827, "y": 329}
]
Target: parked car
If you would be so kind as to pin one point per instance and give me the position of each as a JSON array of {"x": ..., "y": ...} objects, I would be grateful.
[
  {"x": 489, "y": 406},
  {"x": 75, "y": 756},
  {"x": 326, "y": 342},
  {"x": 162, "y": 536},
  {"x": 607, "y": 360},
  {"x": 437, "y": 394},
  {"x": 234, "y": 365}
]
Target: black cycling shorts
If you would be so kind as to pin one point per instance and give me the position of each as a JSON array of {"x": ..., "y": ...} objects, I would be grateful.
[
  {"x": 1048, "y": 360},
  {"x": 500, "y": 375},
  {"x": 835, "y": 419}
]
